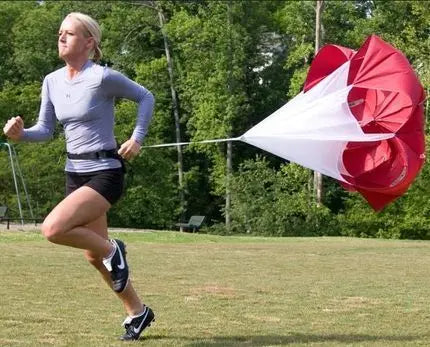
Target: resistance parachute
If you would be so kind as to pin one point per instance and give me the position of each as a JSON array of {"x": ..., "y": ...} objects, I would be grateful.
[{"x": 359, "y": 119}]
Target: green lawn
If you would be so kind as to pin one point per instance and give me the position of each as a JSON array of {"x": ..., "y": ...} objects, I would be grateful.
[{"x": 221, "y": 291}]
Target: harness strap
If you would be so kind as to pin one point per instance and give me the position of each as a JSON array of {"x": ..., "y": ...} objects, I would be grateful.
[{"x": 110, "y": 153}]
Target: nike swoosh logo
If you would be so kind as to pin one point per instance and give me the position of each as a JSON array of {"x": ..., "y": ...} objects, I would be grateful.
[
  {"x": 137, "y": 330},
  {"x": 121, "y": 265}
]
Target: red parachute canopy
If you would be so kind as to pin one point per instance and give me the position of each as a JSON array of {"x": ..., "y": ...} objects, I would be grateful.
[{"x": 386, "y": 97}]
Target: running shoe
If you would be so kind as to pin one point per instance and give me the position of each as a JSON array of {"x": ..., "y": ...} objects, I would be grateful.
[
  {"x": 134, "y": 326},
  {"x": 117, "y": 266}
]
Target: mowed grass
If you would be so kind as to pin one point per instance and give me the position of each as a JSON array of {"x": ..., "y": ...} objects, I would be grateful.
[{"x": 221, "y": 291}]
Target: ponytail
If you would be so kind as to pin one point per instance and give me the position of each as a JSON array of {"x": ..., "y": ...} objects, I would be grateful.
[{"x": 97, "y": 54}]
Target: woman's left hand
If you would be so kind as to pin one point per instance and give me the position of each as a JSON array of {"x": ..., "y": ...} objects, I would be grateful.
[{"x": 129, "y": 149}]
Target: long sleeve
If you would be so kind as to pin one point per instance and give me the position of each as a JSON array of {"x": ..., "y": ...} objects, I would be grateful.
[
  {"x": 44, "y": 128},
  {"x": 116, "y": 84}
]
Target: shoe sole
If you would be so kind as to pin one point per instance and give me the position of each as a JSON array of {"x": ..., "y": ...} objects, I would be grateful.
[{"x": 149, "y": 325}]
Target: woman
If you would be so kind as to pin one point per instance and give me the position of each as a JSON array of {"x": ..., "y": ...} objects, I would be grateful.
[{"x": 81, "y": 96}]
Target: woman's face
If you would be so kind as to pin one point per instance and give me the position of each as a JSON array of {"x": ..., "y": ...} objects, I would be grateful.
[{"x": 72, "y": 42}]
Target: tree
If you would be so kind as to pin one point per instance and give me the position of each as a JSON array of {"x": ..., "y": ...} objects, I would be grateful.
[
  {"x": 175, "y": 106},
  {"x": 10, "y": 14},
  {"x": 234, "y": 63}
]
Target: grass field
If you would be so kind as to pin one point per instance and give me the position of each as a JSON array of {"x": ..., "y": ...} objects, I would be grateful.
[{"x": 221, "y": 291}]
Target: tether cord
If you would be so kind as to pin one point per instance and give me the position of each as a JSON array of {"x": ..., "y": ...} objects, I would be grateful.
[{"x": 189, "y": 143}]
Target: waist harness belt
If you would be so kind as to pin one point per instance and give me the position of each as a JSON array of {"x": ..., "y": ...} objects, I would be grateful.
[{"x": 110, "y": 153}]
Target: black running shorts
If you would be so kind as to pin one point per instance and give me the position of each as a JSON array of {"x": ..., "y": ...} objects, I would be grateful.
[{"x": 109, "y": 183}]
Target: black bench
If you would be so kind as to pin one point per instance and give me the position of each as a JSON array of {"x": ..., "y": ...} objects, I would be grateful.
[
  {"x": 3, "y": 213},
  {"x": 5, "y": 218},
  {"x": 193, "y": 224}
]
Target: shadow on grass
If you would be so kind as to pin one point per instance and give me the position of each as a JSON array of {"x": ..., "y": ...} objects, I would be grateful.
[{"x": 274, "y": 340}]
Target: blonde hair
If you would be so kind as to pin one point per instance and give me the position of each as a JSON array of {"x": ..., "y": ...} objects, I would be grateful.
[{"x": 91, "y": 29}]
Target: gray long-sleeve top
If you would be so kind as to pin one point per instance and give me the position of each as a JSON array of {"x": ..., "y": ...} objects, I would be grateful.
[{"x": 85, "y": 108}]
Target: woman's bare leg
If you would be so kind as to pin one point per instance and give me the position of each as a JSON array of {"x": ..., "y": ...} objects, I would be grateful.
[
  {"x": 67, "y": 224},
  {"x": 128, "y": 296}
]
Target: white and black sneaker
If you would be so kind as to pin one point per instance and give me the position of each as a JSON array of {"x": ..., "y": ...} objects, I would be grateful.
[
  {"x": 117, "y": 266},
  {"x": 136, "y": 324}
]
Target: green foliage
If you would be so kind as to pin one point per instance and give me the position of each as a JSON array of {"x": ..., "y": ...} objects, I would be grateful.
[
  {"x": 150, "y": 200},
  {"x": 10, "y": 14},
  {"x": 42, "y": 166},
  {"x": 35, "y": 43},
  {"x": 297, "y": 81},
  {"x": 235, "y": 62},
  {"x": 20, "y": 100},
  {"x": 153, "y": 75},
  {"x": 361, "y": 221},
  {"x": 212, "y": 47},
  {"x": 297, "y": 22},
  {"x": 132, "y": 36},
  {"x": 276, "y": 202}
]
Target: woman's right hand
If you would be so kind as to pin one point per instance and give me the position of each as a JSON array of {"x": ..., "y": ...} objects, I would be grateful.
[{"x": 14, "y": 128}]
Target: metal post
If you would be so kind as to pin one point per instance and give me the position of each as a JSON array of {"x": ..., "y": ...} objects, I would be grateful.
[
  {"x": 15, "y": 181},
  {"x": 23, "y": 182}
]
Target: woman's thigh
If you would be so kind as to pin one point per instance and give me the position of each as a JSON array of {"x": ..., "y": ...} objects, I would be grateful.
[{"x": 82, "y": 207}]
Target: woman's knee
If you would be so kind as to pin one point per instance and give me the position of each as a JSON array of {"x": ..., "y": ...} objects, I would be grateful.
[{"x": 52, "y": 230}]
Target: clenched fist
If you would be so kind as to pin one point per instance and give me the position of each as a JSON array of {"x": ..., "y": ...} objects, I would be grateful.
[
  {"x": 13, "y": 128},
  {"x": 129, "y": 149}
]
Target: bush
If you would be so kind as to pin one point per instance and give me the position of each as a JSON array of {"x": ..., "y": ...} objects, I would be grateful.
[{"x": 273, "y": 202}]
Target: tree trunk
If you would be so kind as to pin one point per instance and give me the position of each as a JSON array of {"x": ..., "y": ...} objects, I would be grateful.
[
  {"x": 318, "y": 190},
  {"x": 175, "y": 111},
  {"x": 227, "y": 186},
  {"x": 229, "y": 165}
]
